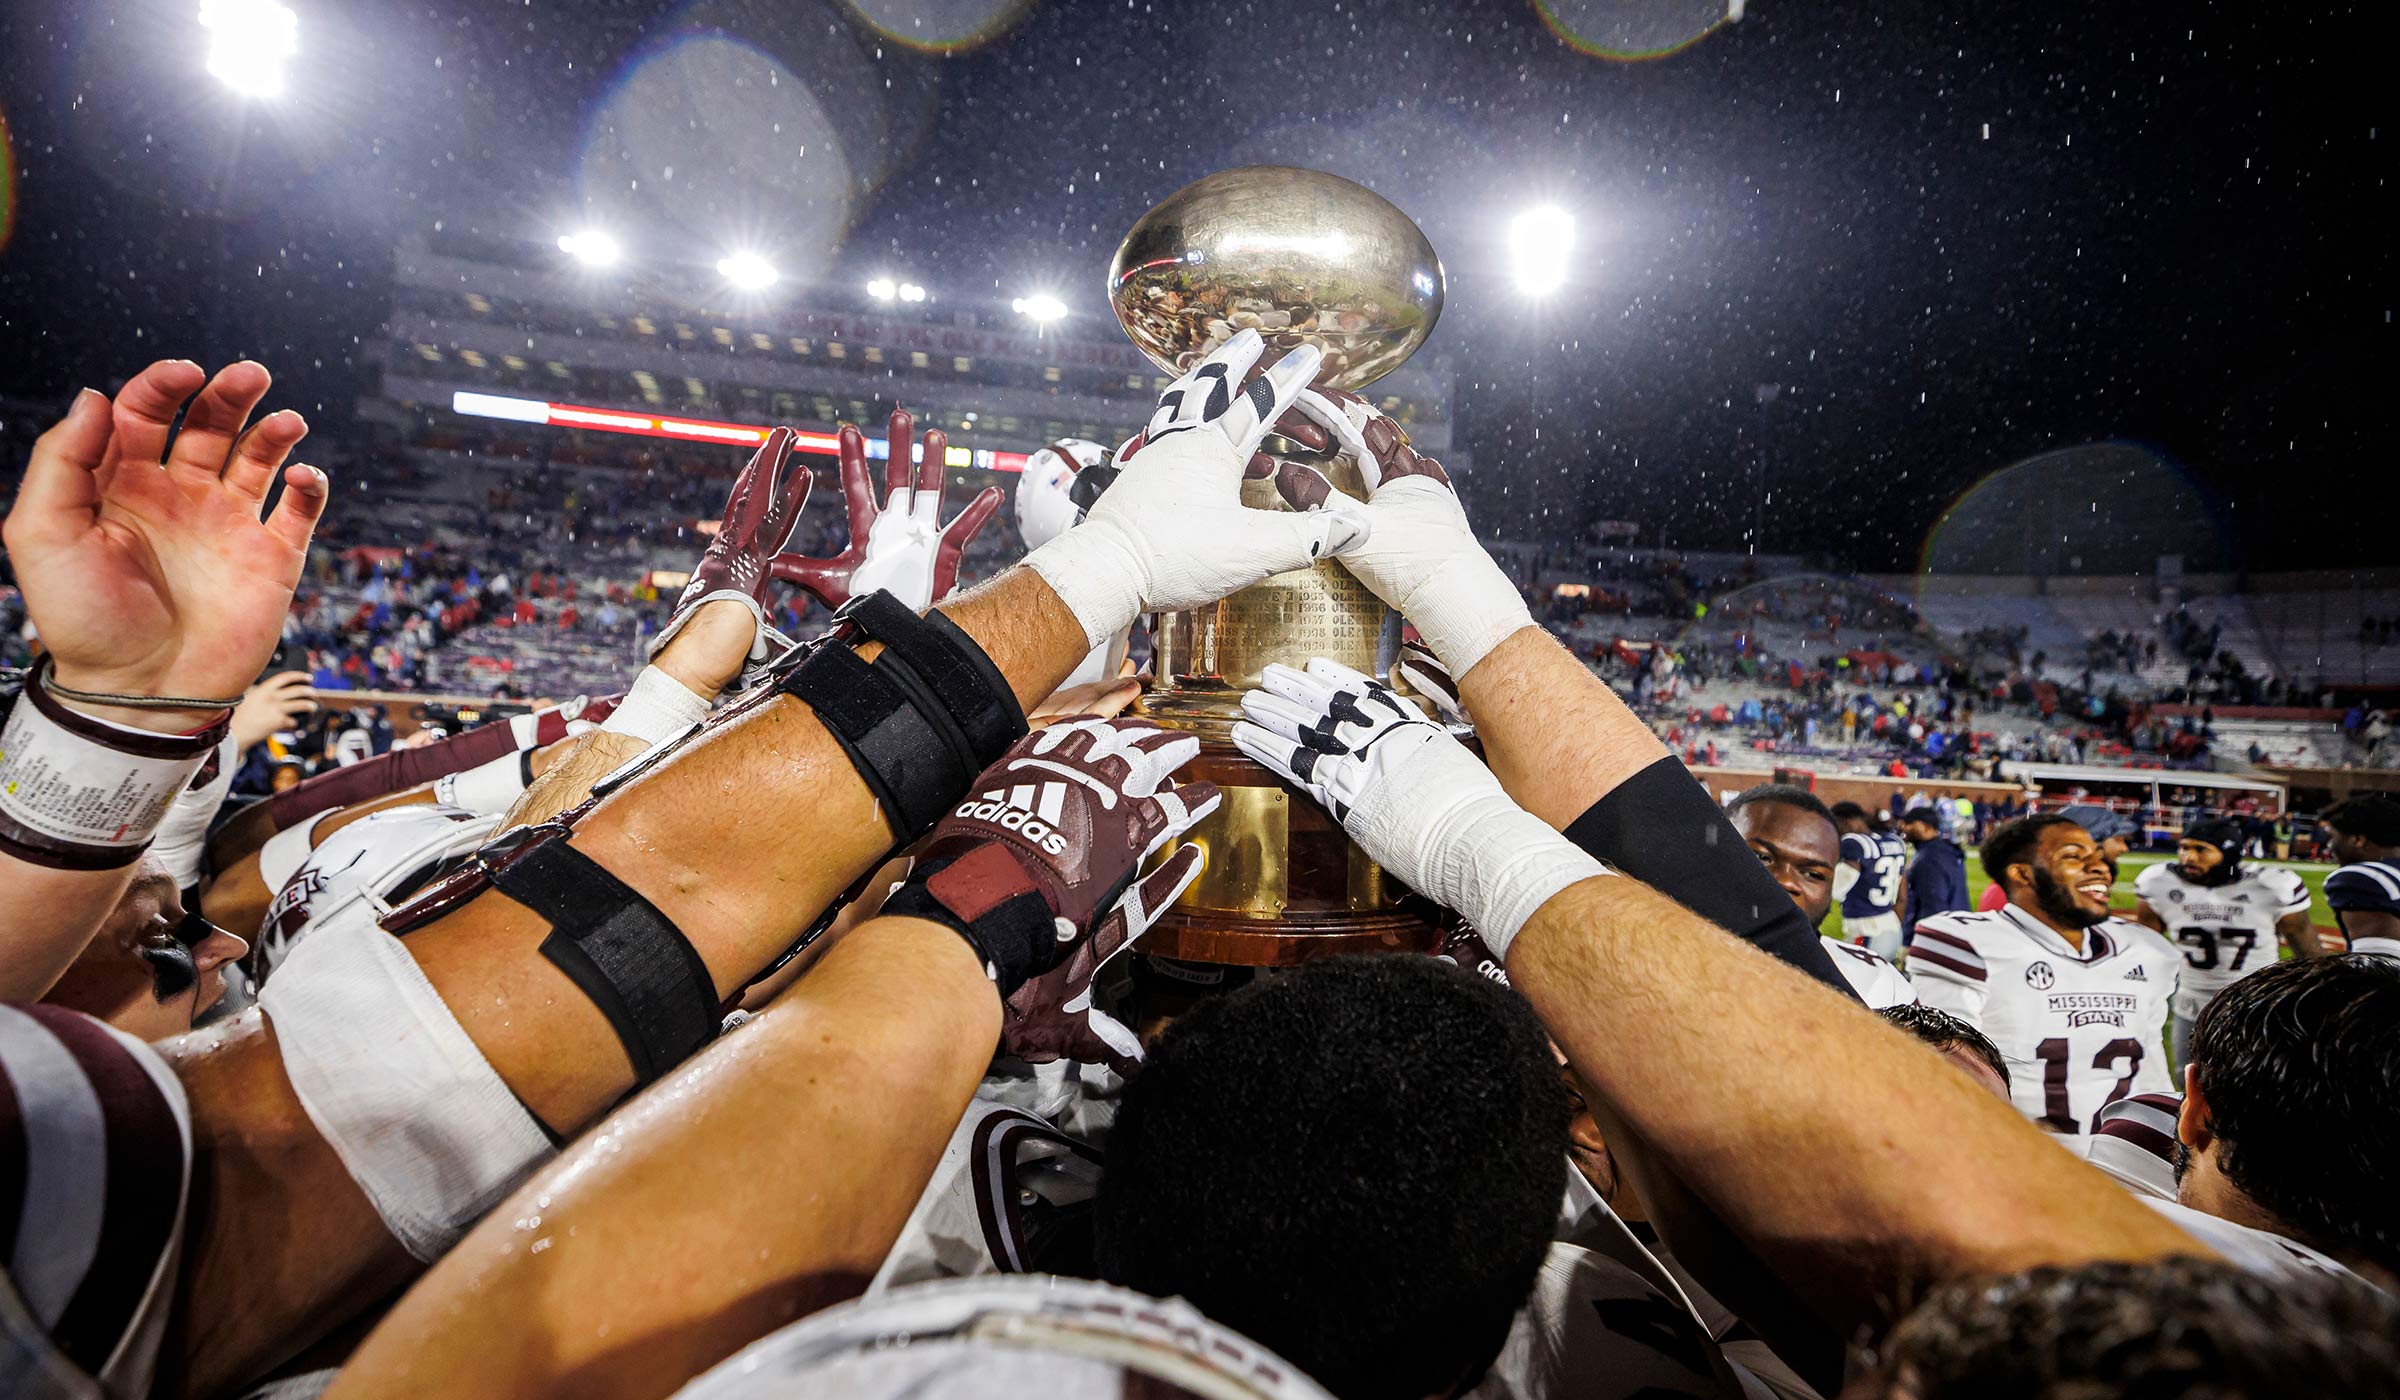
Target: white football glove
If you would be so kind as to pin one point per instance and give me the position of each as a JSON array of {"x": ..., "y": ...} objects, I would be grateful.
[
  {"x": 1410, "y": 795},
  {"x": 1421, "y": 558},
  {"x": 1171, "y": 532}
]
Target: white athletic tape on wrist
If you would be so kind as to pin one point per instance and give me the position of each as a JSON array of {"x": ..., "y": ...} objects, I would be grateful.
[
  {"x": 1467, "y": 608},
  {"x": 1090, "y": 571},
  {"x": 525, "y": 729},
  {"x": 419, "y": 1118},
  {"x": 77, "y": 790},
  {"x": 1473, "y": 849},
  {"x": 488, "y": 788},
  {"x": 657, "y": 708}
]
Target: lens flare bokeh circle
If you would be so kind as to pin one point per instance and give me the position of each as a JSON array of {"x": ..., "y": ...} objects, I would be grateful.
[
  {"x": 940, "y": 26},
  {"x": 1630, "y": 31}
]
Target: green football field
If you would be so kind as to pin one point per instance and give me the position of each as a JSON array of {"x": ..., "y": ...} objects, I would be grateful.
[{"x": 2121, "y": 898}]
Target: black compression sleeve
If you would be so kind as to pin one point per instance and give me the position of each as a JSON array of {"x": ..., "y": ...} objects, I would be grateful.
[{"x": 1661, "y": 827}]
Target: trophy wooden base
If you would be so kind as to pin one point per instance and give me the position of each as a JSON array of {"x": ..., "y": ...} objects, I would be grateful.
[{"x": 1283, "y": 883}]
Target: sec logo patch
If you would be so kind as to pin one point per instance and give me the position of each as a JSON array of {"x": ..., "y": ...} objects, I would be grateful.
[{"x": 2039, "y": 976}]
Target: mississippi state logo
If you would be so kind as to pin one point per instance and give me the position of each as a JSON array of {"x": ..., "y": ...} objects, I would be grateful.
[{"x": 2039, "y": 977}]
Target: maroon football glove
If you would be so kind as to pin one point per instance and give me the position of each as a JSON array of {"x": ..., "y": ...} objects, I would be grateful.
[
  {"x": 759, "y": 517},
  {"x": 1035, "y": 868},
  {"x": 901, "y": 546},
  {"x": 1338, "y": 420}
]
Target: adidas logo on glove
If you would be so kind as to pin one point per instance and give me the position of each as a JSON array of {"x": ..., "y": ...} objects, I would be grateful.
[{"x": 1028, "y": 810}]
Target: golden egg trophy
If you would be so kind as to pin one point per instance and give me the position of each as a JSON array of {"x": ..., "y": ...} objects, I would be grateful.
[{"x": 1301, "y": 257}]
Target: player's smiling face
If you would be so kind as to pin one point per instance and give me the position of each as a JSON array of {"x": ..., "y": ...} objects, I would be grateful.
[
  {"x": 2070, "y": 876},
  {"x": 2194, "y": 859}
]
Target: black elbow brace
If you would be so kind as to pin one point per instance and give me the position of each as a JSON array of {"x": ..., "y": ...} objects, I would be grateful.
[
  {"x": 922, "y": 720},
  {"x": 614, "y": 945},
  {"x": 1661, "y": 827}
]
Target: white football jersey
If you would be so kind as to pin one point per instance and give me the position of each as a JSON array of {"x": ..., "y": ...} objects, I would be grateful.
[
  {"x": 1007, "y": 1188},
  {"x": 2079, "y": 1030},
  {"x": 381, "y": 856},
  {"x": 2226, "y": 931},
  {"x": 1877, "y": 982}
]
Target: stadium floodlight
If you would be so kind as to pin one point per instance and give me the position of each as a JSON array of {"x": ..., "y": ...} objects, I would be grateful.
[
  {"x": 882, "y": 289},
  {"x": 249, "y": 44},
  {"x": 1040, "y": 307},
  {"x": 591, "y": 247},
  {"x": 910, "y": 291},
  {"x": 1540, "y": 243},
  {"x": 747, "y": 271}
]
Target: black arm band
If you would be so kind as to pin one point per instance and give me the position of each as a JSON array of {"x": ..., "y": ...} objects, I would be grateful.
[
  {"x": 637, "y": 967},
  {"x": 1009, "y": 925},
  {"x": 918, "y": 723},
  {"x": 1662, "y": 828}
]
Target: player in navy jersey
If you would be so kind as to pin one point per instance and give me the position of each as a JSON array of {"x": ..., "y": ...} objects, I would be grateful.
[
  {"x": 1872, "y": 881},
  {"x": 2365, "y": 892}
]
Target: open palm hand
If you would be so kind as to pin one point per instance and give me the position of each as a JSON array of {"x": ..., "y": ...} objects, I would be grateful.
[{"x": 147, "y": 566}]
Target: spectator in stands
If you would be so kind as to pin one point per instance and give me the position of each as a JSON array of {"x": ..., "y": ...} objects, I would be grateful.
[{"x": 1937, "y": 878}]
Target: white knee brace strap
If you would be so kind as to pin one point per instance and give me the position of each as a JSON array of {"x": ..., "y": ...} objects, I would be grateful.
[{"x": 419, "y": 1118}]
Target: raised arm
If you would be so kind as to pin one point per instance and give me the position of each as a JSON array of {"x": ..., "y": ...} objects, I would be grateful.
[
  {"x": 159, "y": 592},
  {"x": 1820, "y": 1164},
  {"x": 734, "y": 844},
  {"x": 1564, "y": 747}
]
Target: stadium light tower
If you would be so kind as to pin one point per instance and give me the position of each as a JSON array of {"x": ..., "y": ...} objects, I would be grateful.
[
  {"x": 591, "y": 247},
  {"x": 910, "y": 291},
  {"x": 882, "y": 289},
  {"x": 1040, "y": 308},
  {"x": 747, "y": 271},
  {"x": 1540, "y": 243},
  {"x": 249, "y": 44}
]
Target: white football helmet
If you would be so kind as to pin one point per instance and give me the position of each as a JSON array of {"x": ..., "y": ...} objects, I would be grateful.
[{"x": 1043, "y": 509}]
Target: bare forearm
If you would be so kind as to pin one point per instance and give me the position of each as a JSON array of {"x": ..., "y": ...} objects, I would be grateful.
[
  {"x": 741, "y": 840},
  {"x": 53, "y": 915},
  {"x": 2301, "y": 934},
  {"x": 771, "y": 1177},
  {"x": 1558, "y": 738},
  {"x": 569, "y": 778},
  {"x": 1868, "y": 1160}
]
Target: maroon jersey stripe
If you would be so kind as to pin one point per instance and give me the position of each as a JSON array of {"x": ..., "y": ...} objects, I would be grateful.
[
  {"x": 144, "y": 1189},
  {"x": 1973, "y": 972}
]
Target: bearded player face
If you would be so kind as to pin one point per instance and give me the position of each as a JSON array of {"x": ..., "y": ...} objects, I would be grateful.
[
  {"x": 2195, "y": 859},
  {"x": 2070, "y": 877}
]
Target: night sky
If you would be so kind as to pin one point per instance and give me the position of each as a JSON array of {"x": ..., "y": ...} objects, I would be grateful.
[{"x": 1868, "y": 255}]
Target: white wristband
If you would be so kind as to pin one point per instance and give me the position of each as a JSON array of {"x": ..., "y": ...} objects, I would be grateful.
[
  {"x": 80, "y": 793},
  {"x": 658, "y": 708},
  {"x": 488, "y": 788}
]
